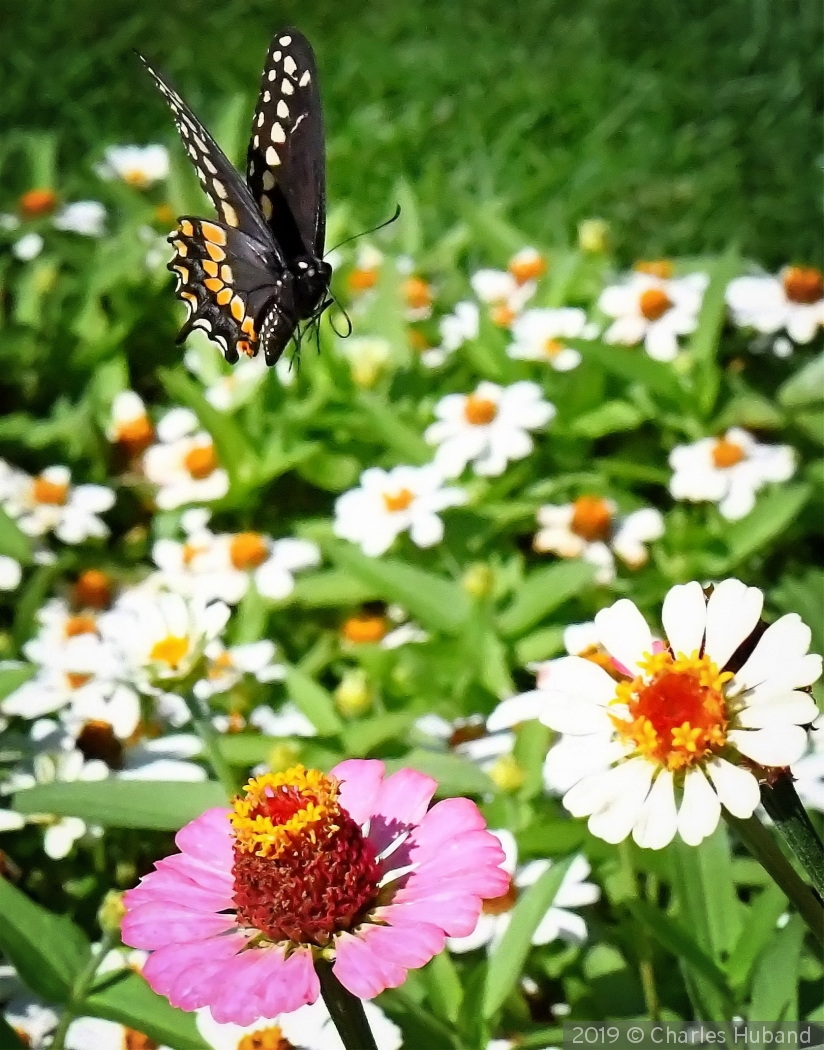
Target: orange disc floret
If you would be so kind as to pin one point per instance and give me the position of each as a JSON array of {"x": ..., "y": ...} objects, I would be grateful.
[
  {"x": 654, "y": 303},
  {"x": 803, "y": 284},
  {"x": 77, "y": 625},
  {"x": 364, "y": 629},
  {"x": 92, "y": 590},
  {"x": 53, "y": 492},
  {"x": 527, "y": 266},
  {"x": 201, "y": 461},
  {"x": 361, "y": 280},
  {"x": 479, "y": 410},
  {"x": 591, "y": 518},
  {"x": 502, "y": 904},
  {"x": 398, "y": 501},
  {"x": 248, "y": 550},
  {"x": 270, "y": 1038},
  {"x": 417, "y": 293},
  {"x": 37, "y": 202},
  {"x": 677, "y": 712},
  {"x": 135, "y": 435},
  {"x": 726, "y": 453},
  {"x": 661, "y": 268}
]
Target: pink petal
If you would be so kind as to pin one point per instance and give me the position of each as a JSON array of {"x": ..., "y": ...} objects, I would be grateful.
[
  {"x": 199, "y": 873},
  {"x": 174, "y": 889},
  {"x": 402, "y": 800},
  {"x": 287, "y": 984},
  {"x": 208, "y": 838},
  {"x": 361, "y": 970},
  {"x": 410, "y": 944},
  {"x": 360, "y": 785},
  {"x": 236, "y": 997},
  {"x": 456, "y": 914},
  {"x": 158, "y": 923},
  {"x": 182, "y": 972}
]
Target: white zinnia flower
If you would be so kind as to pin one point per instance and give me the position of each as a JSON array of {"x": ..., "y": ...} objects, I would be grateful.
[
  {"x": 558, "y": 921},
  {"x": 28, "y": 247},
  {"x": 728, "y": 471},
  {"x": 539, "y": 336},
  {"x": 50, "y": 503},
  {"x": 388, "y": 503},
  {"x": 139, "y": 166},
  {"x": 677, "y": 737},
  {"x": 653, "y": 309},
  {"x": 184, "y": 464},
  {"x": 32, "y": 1019},
  {"x": 84, "y": 217},
  {"x": 455, "y": 329},
  {"x": 590, "y": 528},
  {"x": 226, "y": 667},
  {"x": 793, "y": 301},
  {"x": 488, "y": 428}
]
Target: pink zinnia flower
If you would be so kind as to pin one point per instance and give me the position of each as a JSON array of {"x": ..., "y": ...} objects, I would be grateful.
[{"x": 350, "y": 867}]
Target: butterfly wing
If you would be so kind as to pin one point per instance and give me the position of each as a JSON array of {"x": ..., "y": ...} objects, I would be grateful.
[
  {"x": 229, "y": 282},
  {"x": 224, "y": 186},
  {"x": 286, "y": 161}
]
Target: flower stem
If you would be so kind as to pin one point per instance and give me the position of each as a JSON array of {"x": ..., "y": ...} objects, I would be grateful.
[
  {"x": 345, "y": 1009},
  {"x": 785, "y": 808},
  {"x": 79, "y": 991},
  {"x": 211, "y": 743},
  {"x": 765, "y": 849}
]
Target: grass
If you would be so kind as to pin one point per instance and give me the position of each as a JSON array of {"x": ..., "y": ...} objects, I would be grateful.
[{"x": 689, "y": 126}]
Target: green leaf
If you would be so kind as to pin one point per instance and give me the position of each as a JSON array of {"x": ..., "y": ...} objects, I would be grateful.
[
  {"x": 507, "y": 961},
  {"x": 772, "y": 515},
  {"x": 775, "y": 983},
  {"x": 706, "y": 892},
  {"x": 9, "y": 1039},
  {"x": 436, "y": 603},
  {"x": 392, "y": 431},
  {"x": 365, "y": 735},
  {"x": 48, "y": 951},
  {"x": 14, "y": 543},
  {"x": 443, "y": 987},
  {"x": 127, "y": 999},
  {"x": 124, "y": 803},
  {"x": 758, "y": 932},
  {"x": 632, "y": 364},
  {"x": 455, "y": 775},
  {"x": 531, "y": 745},
  {"x": 332, "y": 589},
  {"x": 703, "y": 343},
  {"x": 804, "y": 387},
  {"x": 314, "y": 701},
  {"x": 542, "y": 592},
  {"x": 330, "y": 470},
  {"x": 609, "y": 418},
  {"x": 12, "y": 678},
  {"x": 247, "y": 749},
  {"x": 540, "y": 645}
]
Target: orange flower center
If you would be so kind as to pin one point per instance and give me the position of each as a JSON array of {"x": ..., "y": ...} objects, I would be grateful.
[
  {"x": 135, "y": 434},
  {"x": 661, "y": 268},
  {"x": 200, "y": 461},
  {"x": 170, "y": 650},
  {"x": 362, "y": 280},
  {"x": 726, "y": 453},
  {"x": 417, "y": 293},
  {"x": 479, "y": 411},
  {"x": 677, "y": 709},
  {"x": 247, "y": 550},
  {"x": 654, "y": 303},
  {"x": 361, "y": 629},
  {"x": 502, "y": 315},
  {"x": 133, "y": 1040},
  {"x": 591, "y": 518},
  {"x": 37, "y": 202},
  {"x": 97, "y": 740},
  {"x": 45, "y": 491},
  {"x": 804, "y": 284},
  {"x": 417, "y": 340},
  {"x": 80, "y": 624},
  {"x": 502, "y": 904},
  {"x": 265, "y": 1039},
  {"x": 135, "y": 177},
  {"x": 191, "y": 551},
  {"x": 397, "y": 501},
  {"x": 93, "y": 589},
  {"x": 77, "y": 680},
  {"x": 220, "y": 665},
  {"x": 552, "y": 347},
  {"x": 527, "y": 268}
]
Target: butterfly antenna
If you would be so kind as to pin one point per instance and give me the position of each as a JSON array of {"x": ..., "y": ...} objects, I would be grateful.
[
  {"x": 365, "y": 233},
  {"x": 348, "y": 332}
]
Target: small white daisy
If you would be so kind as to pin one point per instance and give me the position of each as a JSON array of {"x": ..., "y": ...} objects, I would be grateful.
[
  {"x": 539, "y": 336},
  {"x": 11, "y": 573},
  {"x": 87, "y": 218},
  {"x": 455, "y": 329},
  {"x": 164, "y": 758},
  {"x": 32, "y": 1019},
  {"x": 687, "y": 728},
  {"x": 506, "y": 292},
  {"x": 488, "y": 428},
  {"x": 184, "y": 463},
  {"x": 28, "y": 247},
  {"x": 288, "y": 720},
  {"x": 792, "y": 301},
  {"x": 227, "y": 666},
  {"x": 655, "y": 310},
  {"x": 558, "y": 921},
  {"x": 94, "y": 1033},
  {"x": 140, "y": 166},
  {"x": 728, "y": 471},
  {"x": 591, "y": 528},
  {"x": 227, "y": 391},
  {"x": 472, "y": 739},
  {"x": 388, "y": 503},
  {"x": 50, "y": 503},
  {"x": 129, "y": 424}
]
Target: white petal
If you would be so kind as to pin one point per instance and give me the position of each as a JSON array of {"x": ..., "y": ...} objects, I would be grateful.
[
  {"x": 510, "y": 848},
  {"x": 737, "y": 788},
  {"x": 700, "y": 808},
  {"x": 786, "y": 640},
  {"x": 516, "y": 709},
  {"x": 657, "y": 822},
  {"x": 615, "y": 821},
  {"x": 570, "y": 714},
  {"x": 684, "y": 617},
  {"x": 780, "y": 745},
  {"x": 733, "y": 611},
  {"x": 796, "y": 707},
  {"x": 624, "y": 633},
  {"x": 582, "y": 679}
]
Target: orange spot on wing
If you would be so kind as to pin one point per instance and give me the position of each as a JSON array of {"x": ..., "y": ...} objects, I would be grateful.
[
  {"x": 218, "y": 254},
  {"x": 214, "y": 284},
  {"x": 186, "y": 228},
  {"x": 211, "y": 268},
  {"x": 224, "y": 296},
  {"x": 213, "y": 233},
  {"x": 237, "y": 308}
]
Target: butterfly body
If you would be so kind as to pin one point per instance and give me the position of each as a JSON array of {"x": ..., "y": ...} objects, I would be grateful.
[{"x": 250, "y": 278}]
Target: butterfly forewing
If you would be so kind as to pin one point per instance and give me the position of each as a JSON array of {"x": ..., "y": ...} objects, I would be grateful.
[
  {"x": 286, "y": 167},
  {"x": 220, "y": 180}
]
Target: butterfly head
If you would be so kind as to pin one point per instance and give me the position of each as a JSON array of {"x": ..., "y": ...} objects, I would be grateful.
[{"x": 312, "y": 278}]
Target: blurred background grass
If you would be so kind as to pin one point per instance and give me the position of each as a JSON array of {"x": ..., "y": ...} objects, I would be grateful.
[{"x": 688, "y": 125}]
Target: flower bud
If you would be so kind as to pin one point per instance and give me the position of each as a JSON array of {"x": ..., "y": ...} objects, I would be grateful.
[
  {"x": 593, "y": 236},
  {"x": 111, "y": 912},
  {"x": 507, "y": 774},
  {"x": 477, "y": 580},
  {"x": 353, "y": 696}
]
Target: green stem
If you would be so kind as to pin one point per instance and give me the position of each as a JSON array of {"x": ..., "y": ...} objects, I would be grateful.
[
  {"x": 345, "y": 1009},
  {"x": 787, "y": 812},
  {"x": 79, "y": 991},
  {"x": 765, "y": 849},
  {"x": 211, "y": 742}
]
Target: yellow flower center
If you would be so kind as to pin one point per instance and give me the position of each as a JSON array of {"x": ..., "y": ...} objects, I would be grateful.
[
  {"x": 654, "y": 303},
  {"x": 502, "y": 315},
  {"x": 726, "y": 453},
  {"x": 552, "y": 347},
  {"x": 591, "y": 518},
  {"x": 220, "y": 665},
  {"x": 596, "y": 655},
  {"x": 81, "y": 624},
  {"x": 360, "y": 629},
  {"x": 527, "y": 267},
  {"x": 165, "y": 215},
  {"x": 265, "y": 1039},
  {"x": 677, "y": 709},
  {"x": 170, "y": 650},
  {"x": 77, "y": 679},
  {"x": 507, "y": 774},
  {"x": 200, "y": 461},
  {"x": 135, "y": 434},
  {"x": 52, "y": 492},
  {"x": 397, "y": 501},
  {"x": 417, "y": 293},
  {"x": 804, "y": 284},
  {"x": 135, "y": 177},
  {"x": 661, "y": 268},
  {"x": 248, "y": 550},
  {"x": 479, "y": 411}
]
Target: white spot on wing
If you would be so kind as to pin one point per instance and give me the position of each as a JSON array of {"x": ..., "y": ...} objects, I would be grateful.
[
  {"x": 285, "y": 41},
  {"x": 272, "y": 158},
  {"x": 283, "y": 109},
  {"x": 266, "y": 207},
  {"x": 229, "y": 214},
  {"x": 304, "y": 80},
  {"x": 287, "y": 87},
  {"x": 207, "y": 164},
  {"x": 289, "y": 65},
  {"x": 278, "y": 134},
  {"x": 220, "y": 189},
  {"x": 272, "y": 74},
  {"x": 267, "y": 96},
  {"x": 260, "y": 120},
  {"x": 268, "y": 180},
  {"x": 276, "y": 57}
]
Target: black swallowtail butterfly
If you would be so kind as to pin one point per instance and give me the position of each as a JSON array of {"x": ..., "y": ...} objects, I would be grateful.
[{"x": 249, "y": 279}]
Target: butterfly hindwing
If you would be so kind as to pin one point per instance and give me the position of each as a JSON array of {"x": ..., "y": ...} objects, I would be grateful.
[
  {"x": 286, "y": 167},
  {"x": 228, "y": 282},
  {"x": 221, "y": 182}
]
